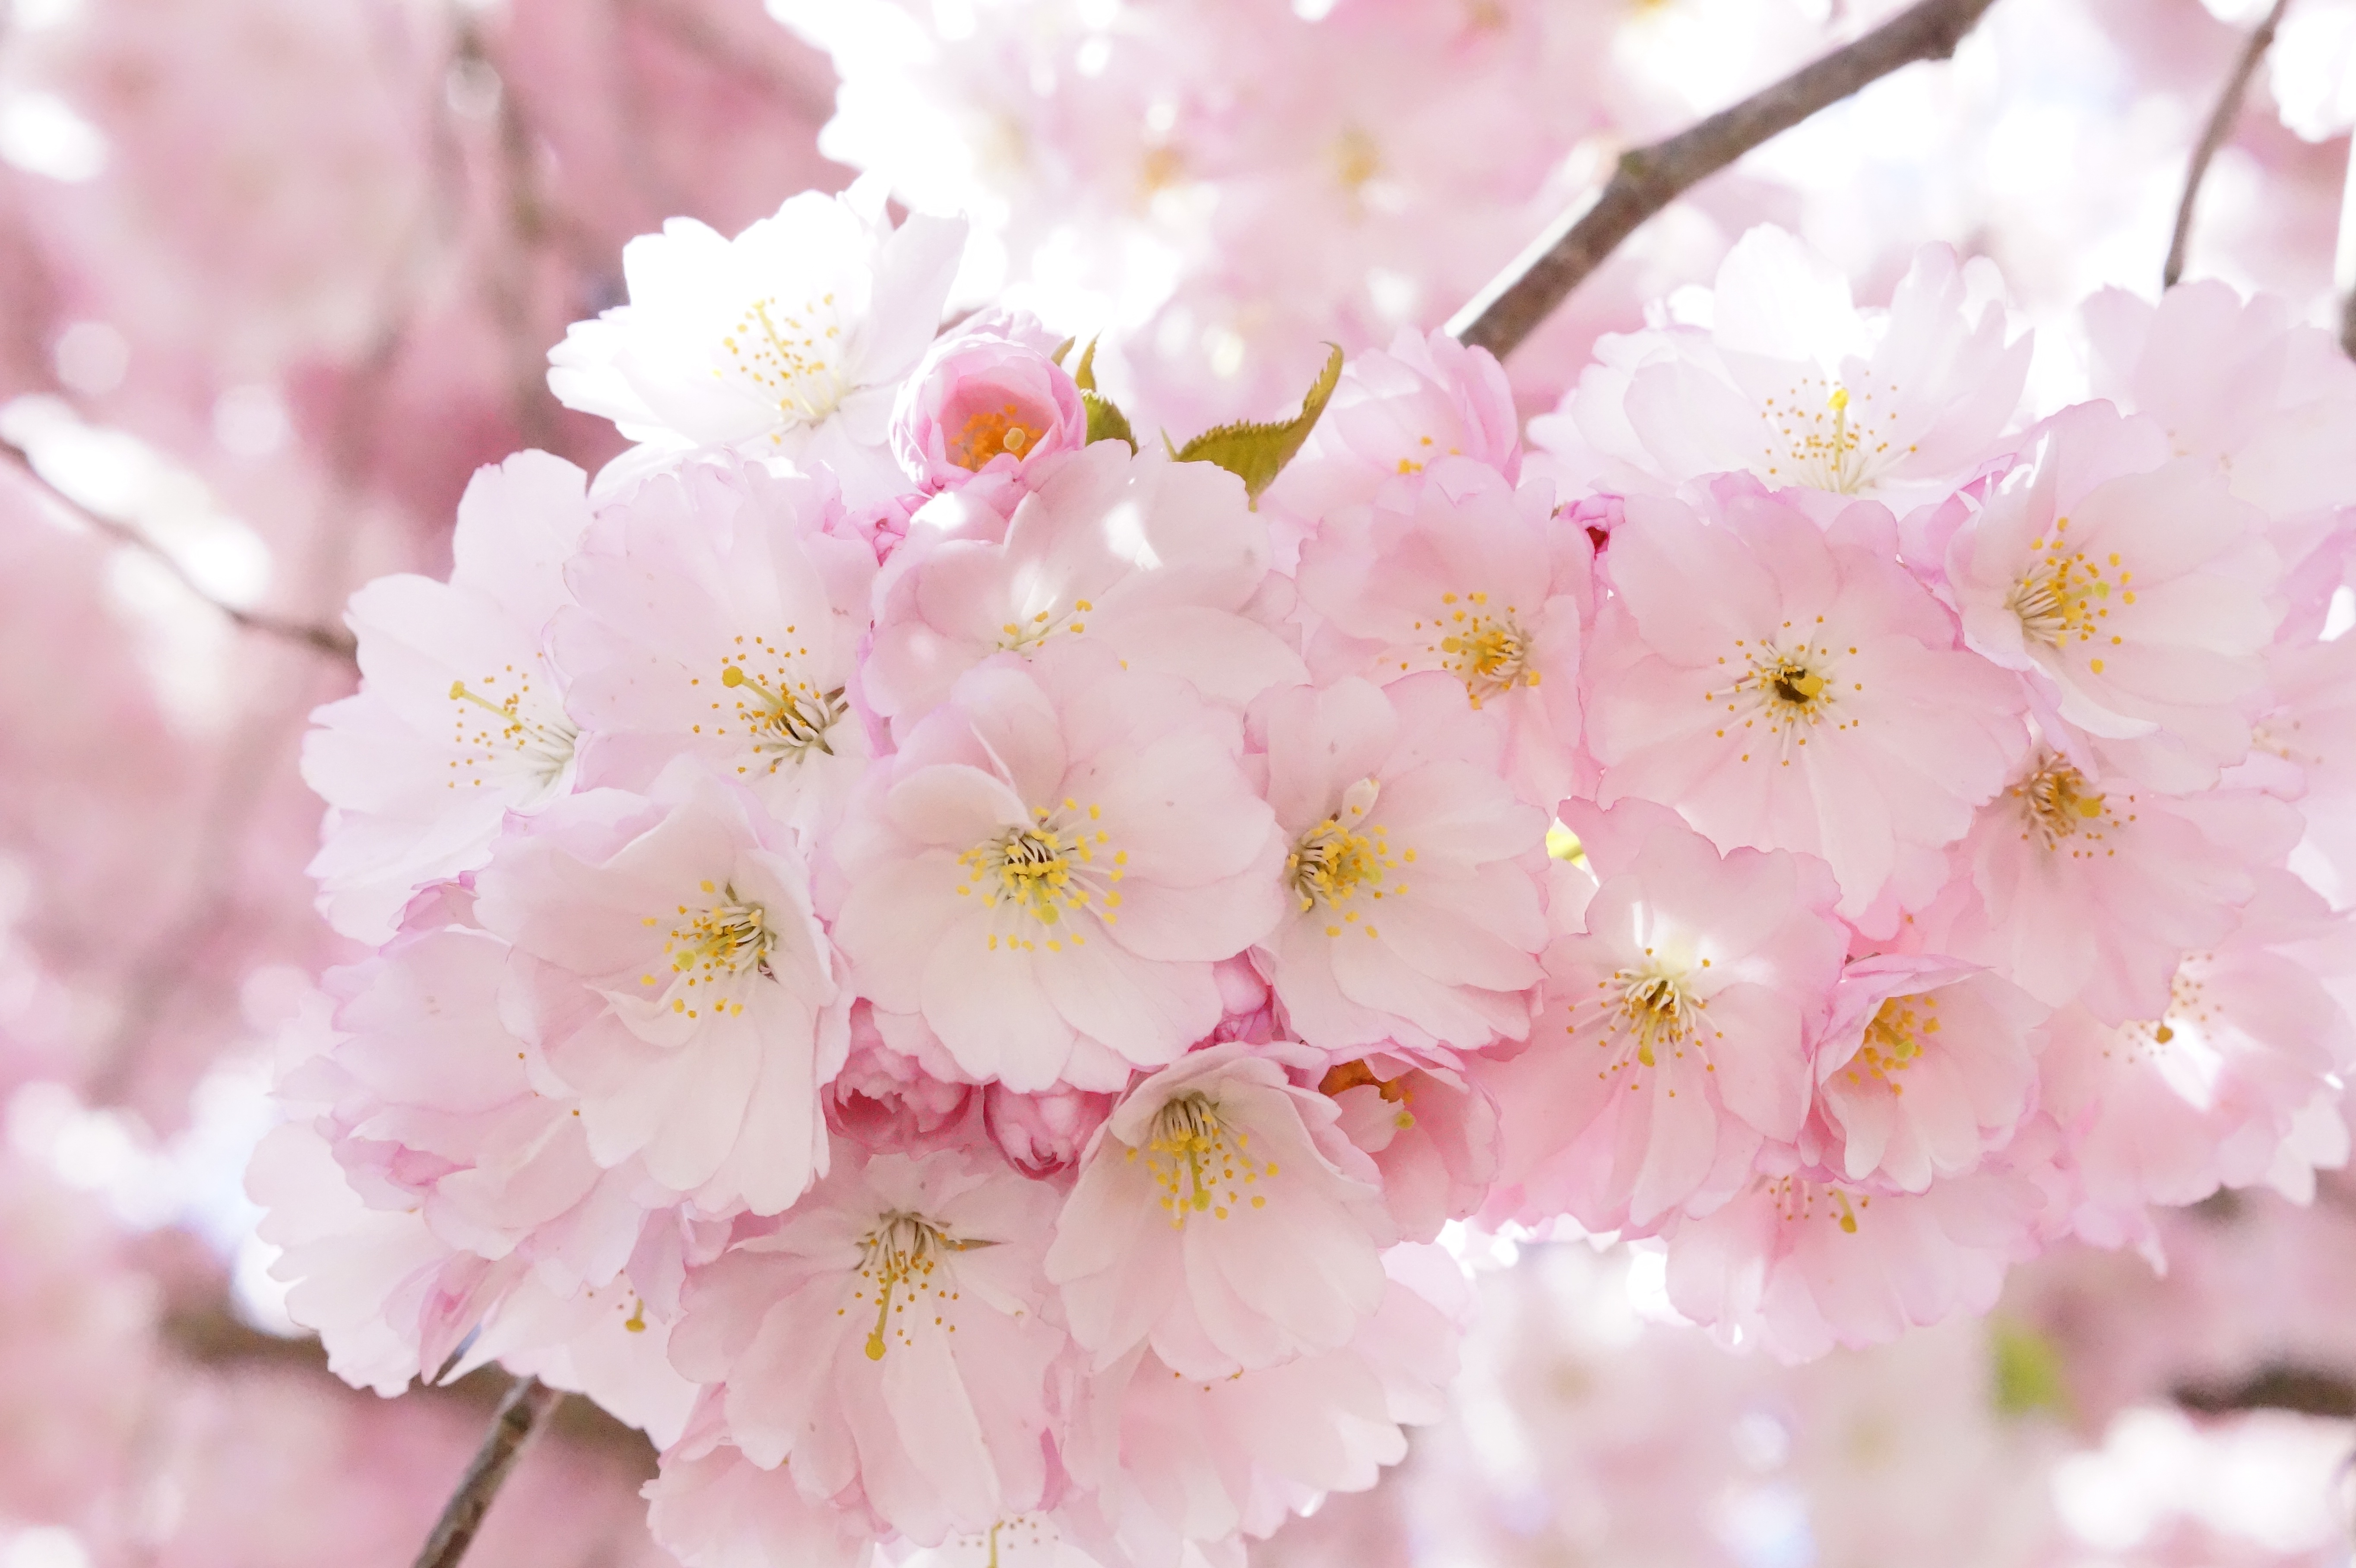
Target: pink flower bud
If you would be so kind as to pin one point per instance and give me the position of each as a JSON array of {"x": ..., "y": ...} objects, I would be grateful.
[
  {"x": 988, "y": 399},
  {"x": 1042, "y": 1134}
]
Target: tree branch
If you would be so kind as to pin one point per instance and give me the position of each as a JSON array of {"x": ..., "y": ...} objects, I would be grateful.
[
  {"x": 2282, "y": 1385},
  {"x": 1649, "y": 178},
  {"x": 332, "y": 641},
  {"x": 526, "y": 1404},
  {"x": 2220, "y": 126}
]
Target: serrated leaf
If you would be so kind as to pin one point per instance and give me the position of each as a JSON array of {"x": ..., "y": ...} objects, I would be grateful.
[
  {"x": 1085, "y": 376},
  {"x": 1257, "y": 453},
  {"x": 2027, "y": 1370},
  {"x": 1106, "y": 422},
  {"x": 1057, "y": 359}
]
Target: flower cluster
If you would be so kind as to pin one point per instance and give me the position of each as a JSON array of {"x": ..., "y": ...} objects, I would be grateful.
[{"x": 953, "y": 962}]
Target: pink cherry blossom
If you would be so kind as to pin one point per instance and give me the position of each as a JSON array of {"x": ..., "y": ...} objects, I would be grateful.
[
  {"x": 460, "y": 718},
  {"x": 2134, "y": 592},
  {"x": 1791, "y": 381},
  {"x": 1414, "y": 914},
  {"x": 885, "y": 1100},
  {"x": 1791, "y": 687},
  {"x": 1394, "y": 416},
  {"x": 2224, "y": 1085},
  {"x": 2081, "y": 888},
  {"x": 1432, "y": 1134},
  {"x": 1055, "y": 860},
  {"x": 1043, "y": 1134},
  {"x": 1796, "y": 1265},
  {"x": 1925, "y": 1066},
  {"x": 788, "y": 341},
  {"x": 988, "y": 399},
  {"x": 891, "y": 1333},
  {"x": 676, "y": 981},
  {"x": 1674, "y": 1035},
  {"x": 1469, "y": 576},
  {"x": 1177, "y": 1460},
  {"x": 1222, "y": 1219},
  {"x": 716, "y": 614},
  {"x": 715, "y": 1508},
  {"x": 1155, "y": 560}
]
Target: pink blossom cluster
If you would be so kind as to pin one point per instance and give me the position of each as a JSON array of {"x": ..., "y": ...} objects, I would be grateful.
[{"x": 954, "y": 965}]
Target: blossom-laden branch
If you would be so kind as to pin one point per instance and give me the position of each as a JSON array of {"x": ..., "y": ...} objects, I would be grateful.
[
  {"x": 2221, "y": 125},
  {"x": 1649, "y": 178},
  {"x": 527, "y": 1405},
  {"x": 332, "y": 641}
]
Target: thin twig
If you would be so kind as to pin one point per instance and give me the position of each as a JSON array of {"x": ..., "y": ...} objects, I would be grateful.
[
  {"x": 525, "y": 1407},
  {"x": 332, "y": 641},
  {"x": 1649, "y": 178},
  {"x": 2311, "y": 1391},
  {"x": 2221, "y": 125}
]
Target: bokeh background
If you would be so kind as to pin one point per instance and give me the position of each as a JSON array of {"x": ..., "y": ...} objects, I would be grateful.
[{"x": 276, "y": 275}]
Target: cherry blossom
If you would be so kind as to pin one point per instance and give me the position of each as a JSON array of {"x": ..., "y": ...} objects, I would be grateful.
[
  {"x": 1791, "y": 687},
  {"x": 890, "y": 1334},
  {"x": 460, "y": 718},
  {"x": 1469, "y": 576},
  {"x": 988, "y": 399},
  {"x": 1155, "y": 560},
  {"x": 790, "y": 340},
  {"x": 716, "y": 614},
  {"x": 1058, "y": 856},
  {"x": 1413, "y": 915},
  {"x": 1788, "y": 380},
  {"x": 673, "y": 977},
  {"x": 1222, "y": 1219},
  {"x": 1673, "y": 1039}
]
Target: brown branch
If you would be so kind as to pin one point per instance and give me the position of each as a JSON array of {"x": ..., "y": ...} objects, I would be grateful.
[
  {"x": 2221, "y": 125},
  {"x": 2283, "y": 1385},
  {"x": 526, "y": 1406},
  {"x": 1649, "y": 178},
  {"x": 332, "y": 641}
]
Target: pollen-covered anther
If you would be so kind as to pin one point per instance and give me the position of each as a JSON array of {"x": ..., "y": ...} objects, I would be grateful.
[
  {"x": 1895, "y": 1040},
  {"x": 906, "y": 1255},
  {"x": 790, "y": 719},
  {"x": 1483, "y": 645},
  {"x": 1200, "y": 1163},
  {"x": 1345, "y": 855},
  {"x": 1059, "y": 866},
  {"x": 2058, "y": 804}
]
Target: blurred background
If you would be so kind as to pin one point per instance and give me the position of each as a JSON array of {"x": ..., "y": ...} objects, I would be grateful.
[{"x": 276, "y": 275}]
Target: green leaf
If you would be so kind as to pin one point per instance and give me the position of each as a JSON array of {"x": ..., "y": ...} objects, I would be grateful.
[
  {"x": 1257, "y": 453},
  {"x": 1106, "y": 422},
  {"x": 2027, "y": 1370},
  {"x": 1085, "y": 374},
  {"x": 1057, "y": 359}
]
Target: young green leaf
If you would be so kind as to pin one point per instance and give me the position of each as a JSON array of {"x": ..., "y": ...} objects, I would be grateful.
[{"x": 1257, "y": 453}]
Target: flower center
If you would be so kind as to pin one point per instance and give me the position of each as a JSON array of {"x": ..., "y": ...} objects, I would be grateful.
[
  {"x": 2058, "y": 804},
  {"x": 2064, "y": 594},
  {"x": 1331, "y": 862},
  {"x": 707, "y": 948},
  {"x": 1021, "y": 637},
  {"x": 1821, "y": 436},
  {"x": 1789, "y": 690},
  {"x": 1896, "y": 1039},
  {"x": 1044, "y": 873},
  {"x": 1798, "y": 1201},
  {"x": 992, "y": 432},
  {"x": 901, "y": 1256},
  {"x": 1196, "y": 1158},
  {"x": 788, "y": 358},
  {"x": 785, "y": 721},
  {"x": 1640, "y": 1012},
  {"x": 1487, "y": 649},
  {"x": 519, "y": 731},
  {"x": 2189, "y": 1006}
]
